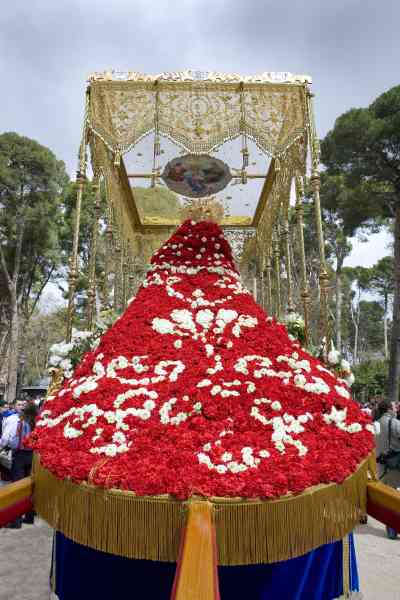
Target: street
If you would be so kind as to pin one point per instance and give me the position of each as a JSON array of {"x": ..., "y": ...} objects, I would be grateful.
[{"x": 25, "y": 562}]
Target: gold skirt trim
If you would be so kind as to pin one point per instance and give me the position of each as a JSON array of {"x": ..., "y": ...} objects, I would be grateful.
[{"x": 247, "y": 531}]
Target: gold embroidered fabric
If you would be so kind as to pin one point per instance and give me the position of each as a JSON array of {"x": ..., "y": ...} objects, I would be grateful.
[
  {"x": 191, "y": 75},
  {"x": 199, "y": 111},
  {"x": 198, "y": 115}
]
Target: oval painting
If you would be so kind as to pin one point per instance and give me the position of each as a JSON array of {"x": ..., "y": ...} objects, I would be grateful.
[{"x": 196, "y": 176}]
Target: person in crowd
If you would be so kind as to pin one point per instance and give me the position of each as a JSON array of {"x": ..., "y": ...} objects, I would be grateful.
[
  {"x": 10, "y": 422},
  {"x": 21, "y": 463},
  {"x": 5, "y": 411},
  {"x": 388, "y": 449}
]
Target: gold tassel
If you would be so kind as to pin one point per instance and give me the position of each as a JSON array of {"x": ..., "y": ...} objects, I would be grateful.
[
  {"x": 245, "y": 153},
  {"x": 157, "y": 146},
  {"x": 346, "y": 566},
  {"x": 248, "y": 532},
  {"x": 117, "y": 158},
  {"x": 277, "y": 165}
]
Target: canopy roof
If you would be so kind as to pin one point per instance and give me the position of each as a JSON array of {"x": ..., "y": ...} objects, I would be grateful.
[{"x": 199, "y": 112}]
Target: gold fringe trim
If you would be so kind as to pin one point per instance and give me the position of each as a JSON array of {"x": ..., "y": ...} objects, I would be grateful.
[
  {"x": 248, "y": 532},
  {"x": 346, "y": 566}
]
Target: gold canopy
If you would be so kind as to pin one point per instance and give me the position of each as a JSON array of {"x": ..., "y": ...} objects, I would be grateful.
[{"x": 200, "y": 112}]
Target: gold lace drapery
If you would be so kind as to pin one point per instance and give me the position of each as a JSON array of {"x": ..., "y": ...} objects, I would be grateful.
[{"x": 198, "y": 115}]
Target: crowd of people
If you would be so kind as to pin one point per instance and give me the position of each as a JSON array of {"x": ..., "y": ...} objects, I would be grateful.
[{"x": 16, "y": 422}]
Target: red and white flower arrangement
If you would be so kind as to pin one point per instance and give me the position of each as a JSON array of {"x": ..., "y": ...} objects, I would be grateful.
[{"x": 194, "y": 390}]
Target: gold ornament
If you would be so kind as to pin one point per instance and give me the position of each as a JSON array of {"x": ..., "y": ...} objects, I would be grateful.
[{"x": 203, "y": 209}]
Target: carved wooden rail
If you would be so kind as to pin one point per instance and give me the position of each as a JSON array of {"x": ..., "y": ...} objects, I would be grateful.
[{"x": 196, "y": 574}]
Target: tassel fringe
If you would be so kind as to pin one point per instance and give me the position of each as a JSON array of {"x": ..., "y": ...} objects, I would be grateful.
[{"x": 248, "y": 532}]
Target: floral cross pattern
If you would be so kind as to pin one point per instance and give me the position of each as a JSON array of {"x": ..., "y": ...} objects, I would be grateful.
[{"x": 195, "y": 390}]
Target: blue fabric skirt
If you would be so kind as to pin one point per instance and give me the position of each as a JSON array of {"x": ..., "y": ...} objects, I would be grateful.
[{"x": 82, "y": 573}]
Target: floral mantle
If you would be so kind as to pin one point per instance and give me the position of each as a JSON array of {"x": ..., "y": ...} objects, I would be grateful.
[{"x": 195, "y": 390}]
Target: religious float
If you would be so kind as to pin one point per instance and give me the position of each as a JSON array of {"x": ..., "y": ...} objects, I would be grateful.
[{"x": 200, "y": 450}]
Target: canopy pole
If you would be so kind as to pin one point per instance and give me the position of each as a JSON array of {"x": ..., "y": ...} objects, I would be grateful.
[
  {"x": 117, "y": 260},
  {"x": 288, "y": 265},
  {"x": 108, "y": 267},
  {"x": 93, "y": 255},
  {"x": 277, "y": 269},
  {"x": 267, "y": 279},
  {"x": 305, "y": 290},
  {"x": 316, "y": 186},
  {"x": 73, "y": 261},
  {"x": 125, "y": 271}
]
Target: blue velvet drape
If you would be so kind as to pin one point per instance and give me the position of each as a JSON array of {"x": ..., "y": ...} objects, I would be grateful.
[{"x": 82, "y": 573}]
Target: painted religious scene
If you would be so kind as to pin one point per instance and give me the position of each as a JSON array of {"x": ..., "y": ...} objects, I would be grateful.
[{"x": 196, "y": 176}]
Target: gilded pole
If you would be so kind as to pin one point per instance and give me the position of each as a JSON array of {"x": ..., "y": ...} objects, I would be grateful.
[
  {"x": 117, "y": 274},
  {"x": 268, "y": 273},
  {"x": 93, "y": 253},
  {"x": 276, "y": 254},
  {"x": 73, "y": 261},
  {"x": 316, "y": 186},
  {"x": 131, "y": 275},
  {"x": 288, "y": 265},
  {"x": 109, "y": 248},
  {"x": 305, "y": 290},
  {"x": 125, "y": 270}
]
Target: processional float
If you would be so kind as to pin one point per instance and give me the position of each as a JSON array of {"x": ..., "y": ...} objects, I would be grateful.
[{"x": 195, "y": 367}]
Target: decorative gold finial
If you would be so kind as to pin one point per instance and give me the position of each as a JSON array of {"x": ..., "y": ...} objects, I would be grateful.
[{"x": 203, "y": 209}]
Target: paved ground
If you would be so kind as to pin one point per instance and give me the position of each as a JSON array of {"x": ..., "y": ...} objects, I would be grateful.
[{"x": 25, "y": 563}]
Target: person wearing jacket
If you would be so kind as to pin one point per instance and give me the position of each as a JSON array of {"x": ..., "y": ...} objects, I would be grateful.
[
  {"x": 10, "y": 422},
  {"x": 21, "y": 465},
  {"x": 388, "y": 442}
]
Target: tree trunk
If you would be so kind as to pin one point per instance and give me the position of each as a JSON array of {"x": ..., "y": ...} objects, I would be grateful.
[
  {"x": 394, "y": 364},
  {"x": 355, "y": 315},
  {"x": 12, "y": 378},
  {"x": 355, "y": 349},
  {"x": 339, "y": 302},
  {"x": 385, "y": 329}
]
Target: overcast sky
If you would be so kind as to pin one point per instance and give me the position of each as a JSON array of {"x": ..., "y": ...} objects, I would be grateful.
[{"x": 350, "y": 48}]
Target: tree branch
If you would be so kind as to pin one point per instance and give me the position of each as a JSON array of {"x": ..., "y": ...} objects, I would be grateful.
[
  {"x": 18, "y": 248},
  {"x": 4, "y": 268},
  {"x": 40, "y": 291}
]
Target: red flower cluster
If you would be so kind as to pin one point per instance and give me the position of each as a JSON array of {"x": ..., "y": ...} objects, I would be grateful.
[{"x": 194, "y": 390}]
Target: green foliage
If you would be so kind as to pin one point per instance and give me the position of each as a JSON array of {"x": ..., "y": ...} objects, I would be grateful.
[
  {"x": 370, "y": 326},
  {"x": 364, "y": 146},
  {"x": 32, "y": 186},
  {"x": 382, "y": 279},
  {"x": 346, "y": 209},
  {"x": 370, "y": 379},
  {"x": 42, "y": 331}
]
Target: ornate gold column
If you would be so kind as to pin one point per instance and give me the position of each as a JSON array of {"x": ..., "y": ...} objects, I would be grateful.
[
  {"x": 117, "y": 273},
  {"x": 109, "y": 258},
  {"x": 93, "y": 254},
  {"x": 288, "y": 265},
  {"x": 125, "y": 271},
  {"x": 305, "y": 290},
  {"x": 73, "y": 261},
  {"x": 316, "y": 185},
  {"x": 277, "y": 269},
  {"x": 268, "y": 290}
]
